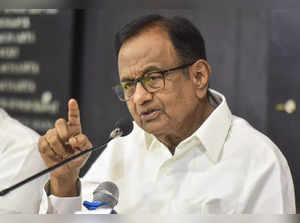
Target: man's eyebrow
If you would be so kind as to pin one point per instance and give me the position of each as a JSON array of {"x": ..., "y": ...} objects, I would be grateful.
[
  {"x": 147, "y": 70},
  {"x": 150, "y": 69},
  {"x": 127, "y": 79}
]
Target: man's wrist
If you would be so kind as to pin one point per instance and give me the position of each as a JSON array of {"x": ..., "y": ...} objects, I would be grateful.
[{"x": 64, "y": 187}]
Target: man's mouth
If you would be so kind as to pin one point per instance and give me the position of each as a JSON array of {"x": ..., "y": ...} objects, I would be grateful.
[{"x": 149, "y": 114}]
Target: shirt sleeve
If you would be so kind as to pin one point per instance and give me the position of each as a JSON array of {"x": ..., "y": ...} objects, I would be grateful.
[{"x": 59, "y": 205}]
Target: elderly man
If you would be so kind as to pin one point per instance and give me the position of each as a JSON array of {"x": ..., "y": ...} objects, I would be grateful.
[{"x": 187, "y": 152}]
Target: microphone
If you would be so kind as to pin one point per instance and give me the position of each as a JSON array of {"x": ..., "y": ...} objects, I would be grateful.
[
  {"x": 122, "y": 128},
  {"x": 107, "y": 192},
  {"x": 105, "y": 198}
]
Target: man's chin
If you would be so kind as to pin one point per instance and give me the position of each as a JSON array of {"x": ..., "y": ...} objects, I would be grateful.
[{"x": 153, "y": 127}]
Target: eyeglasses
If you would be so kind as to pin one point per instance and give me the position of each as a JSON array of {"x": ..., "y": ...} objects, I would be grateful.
[{"x": 151, "y": 82}]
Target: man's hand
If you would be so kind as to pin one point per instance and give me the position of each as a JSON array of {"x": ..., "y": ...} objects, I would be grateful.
[{"x": 58, "y": 144}]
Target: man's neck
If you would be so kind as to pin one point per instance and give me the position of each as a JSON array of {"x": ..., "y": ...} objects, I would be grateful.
[{"x": 172, "y": 140}]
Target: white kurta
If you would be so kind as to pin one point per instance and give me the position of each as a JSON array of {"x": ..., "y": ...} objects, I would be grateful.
[
  {"x": 225, "y": 167},
  {"x": 19, "y": 159}
]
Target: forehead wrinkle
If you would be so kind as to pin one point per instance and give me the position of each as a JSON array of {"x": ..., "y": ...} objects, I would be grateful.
[{"x": 132, "y": 71}]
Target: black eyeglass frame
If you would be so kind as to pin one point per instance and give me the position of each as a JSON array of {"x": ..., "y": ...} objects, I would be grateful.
[{"x": 140, "y": 79}]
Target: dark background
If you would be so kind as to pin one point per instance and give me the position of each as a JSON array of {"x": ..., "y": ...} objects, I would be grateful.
[
  {"x": 254, "y": 53},
  {"x": 53, "y": 51}
]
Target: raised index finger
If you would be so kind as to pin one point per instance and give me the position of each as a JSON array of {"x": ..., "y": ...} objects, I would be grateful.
[{"x": 74, "y": 117}]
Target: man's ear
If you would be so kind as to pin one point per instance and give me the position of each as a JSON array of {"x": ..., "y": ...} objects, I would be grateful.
[{"x": 199, "y": 74}]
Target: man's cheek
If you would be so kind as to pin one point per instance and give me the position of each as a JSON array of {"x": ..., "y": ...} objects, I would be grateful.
[
  {"x": 131, "y": 109},
  {"x": 134, "y": 114}
]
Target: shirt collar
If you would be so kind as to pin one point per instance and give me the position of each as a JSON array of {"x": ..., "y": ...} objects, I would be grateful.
[{"x": 213, "y": 131}]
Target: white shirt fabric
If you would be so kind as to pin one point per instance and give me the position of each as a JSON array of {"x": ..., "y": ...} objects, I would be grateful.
[
  {"x": 225, "y": 167},
  {"x": 19, "y": 159}
]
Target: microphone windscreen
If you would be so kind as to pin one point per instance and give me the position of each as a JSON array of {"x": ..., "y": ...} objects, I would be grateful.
[
  {"x": 125, "y": 125},
  {"x": 107, "y": 192}
]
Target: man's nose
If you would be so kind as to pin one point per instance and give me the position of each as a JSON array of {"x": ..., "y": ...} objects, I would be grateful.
[{"x": 141, "y": 95}]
